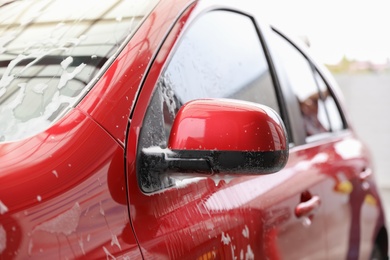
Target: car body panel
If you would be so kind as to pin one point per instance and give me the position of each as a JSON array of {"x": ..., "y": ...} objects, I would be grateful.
[
  {"x": 311, "y": 165},
  {"x": 65, "y": 193},
  {"x": 72, "y": 191},
  {"x": 349, "y": 198},
  {"x": 352, "y": 196}
]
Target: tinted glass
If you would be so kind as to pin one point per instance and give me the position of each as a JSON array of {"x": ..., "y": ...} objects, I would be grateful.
[
  {"x": 335, "y": 118},
  {"x": 51, "y": 50},
  {"x": 304, "y": 85},
  {"x": 220, "y": 56}
]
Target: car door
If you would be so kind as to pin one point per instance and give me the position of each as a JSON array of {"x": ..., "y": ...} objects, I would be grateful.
[
  {"x": 218, "y": 54},
  {"x": 351, "y": 204}
]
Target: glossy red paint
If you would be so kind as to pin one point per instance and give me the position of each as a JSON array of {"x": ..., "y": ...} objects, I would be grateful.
[
  {"x": 213, "y": 218},
  {"x": 64, "y": 194},
  {"x": 227, "y": 125},
  {"x": 68, "y": 192},
  {"x": 112, "y": 99},
  {"x": 65, "y": 188}
]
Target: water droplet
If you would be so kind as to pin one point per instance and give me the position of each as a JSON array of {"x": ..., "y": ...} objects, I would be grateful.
[
  {"x": 365, "y": 185},
  {"x": 3, "y": 208},
  {"x": 306, "y": 222},
  {"x": 101, "y": 210},
  {"x": 108, "y": 254},
  {"x": 30, "y": 247},
  {"x": 115, "y": 241}
]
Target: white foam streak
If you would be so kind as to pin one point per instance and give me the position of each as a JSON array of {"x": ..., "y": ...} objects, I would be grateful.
[
  {"x": 65, "y": 223},
  {"x": 3, "y": 208},
  {"x": 3, "y": 239}
]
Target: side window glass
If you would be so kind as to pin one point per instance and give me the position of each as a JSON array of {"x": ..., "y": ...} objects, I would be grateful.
[
  {"x": 219, "y": 56},
  {"x": 304, "y": 85},
  {"x": 335, "y": 118}
]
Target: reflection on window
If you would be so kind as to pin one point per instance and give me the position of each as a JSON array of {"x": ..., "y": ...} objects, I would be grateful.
[
  {"x": 336, "y": 121},
  {"x": 301, "y": 78},
  {"x": 221, "y": 56},
  {"x": 50, "y": 51}
]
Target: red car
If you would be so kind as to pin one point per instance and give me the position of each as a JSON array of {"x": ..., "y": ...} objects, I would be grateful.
[{"x": 174, "y": 129}]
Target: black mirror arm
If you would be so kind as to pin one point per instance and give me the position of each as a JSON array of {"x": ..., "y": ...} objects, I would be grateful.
[
  {"x": 168, "y": 161},
  {"x": 209, "y": 162}
]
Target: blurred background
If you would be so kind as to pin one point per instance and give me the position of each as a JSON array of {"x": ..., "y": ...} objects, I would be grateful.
[{"x": 352, "y": 38}]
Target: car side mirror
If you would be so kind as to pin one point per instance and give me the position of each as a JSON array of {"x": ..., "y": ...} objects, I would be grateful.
[{"x": 221, "y": 136}]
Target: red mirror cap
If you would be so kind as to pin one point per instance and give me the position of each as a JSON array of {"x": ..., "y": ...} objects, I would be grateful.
[{"x": 229, "y": 125}]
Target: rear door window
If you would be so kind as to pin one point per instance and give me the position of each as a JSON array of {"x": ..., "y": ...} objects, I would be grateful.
[
  {"x": 317, "y": 104},
  {"x": 300, "y": 74},
  {"x": 334, "y": 113}
]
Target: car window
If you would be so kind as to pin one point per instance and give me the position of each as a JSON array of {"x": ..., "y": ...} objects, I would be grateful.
[
  {"x": 219, "y": 56},
  {"x": 49, "y": 53},
  {"x": 335, "y": 117},
  {"x": 303, "y": 82}
]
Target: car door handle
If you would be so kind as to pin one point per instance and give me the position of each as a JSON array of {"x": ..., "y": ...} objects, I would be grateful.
[{"x": 306, "y": 208}]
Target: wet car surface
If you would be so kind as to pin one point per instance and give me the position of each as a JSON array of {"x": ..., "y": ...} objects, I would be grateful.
[{"x": 174, "y": 130}]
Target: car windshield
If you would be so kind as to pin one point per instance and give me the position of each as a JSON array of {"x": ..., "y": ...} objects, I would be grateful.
[{"x": 51, "y": 50}]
